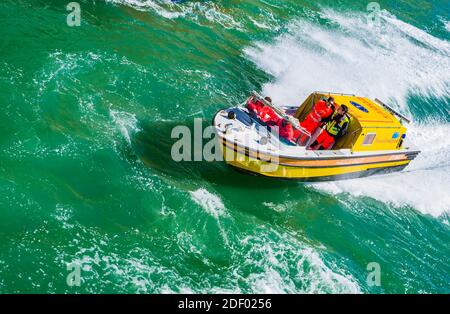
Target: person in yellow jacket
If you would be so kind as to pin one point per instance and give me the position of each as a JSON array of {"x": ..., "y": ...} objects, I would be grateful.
[{"x": 335, "y": 127}]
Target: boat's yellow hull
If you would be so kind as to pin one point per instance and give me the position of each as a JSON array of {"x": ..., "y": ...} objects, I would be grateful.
[{"x": 313, "y": 170}]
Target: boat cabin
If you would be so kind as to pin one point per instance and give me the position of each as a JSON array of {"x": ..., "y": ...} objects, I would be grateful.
[{"x": 373, "y": 125}]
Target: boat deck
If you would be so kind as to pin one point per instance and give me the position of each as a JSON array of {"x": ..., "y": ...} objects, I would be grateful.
[{"x": 247, "y": 132}]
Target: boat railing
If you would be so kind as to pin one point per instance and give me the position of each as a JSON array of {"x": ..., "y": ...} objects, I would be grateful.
[
  {"x": 279, "y": 110},
  {"x": 392, "y": 110},
  {"x": 334, "y": 93},
  {"x": 304, "y": 136}
]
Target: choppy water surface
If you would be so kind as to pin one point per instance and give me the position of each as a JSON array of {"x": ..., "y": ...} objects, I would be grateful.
[{"x": 86, "y": 175}]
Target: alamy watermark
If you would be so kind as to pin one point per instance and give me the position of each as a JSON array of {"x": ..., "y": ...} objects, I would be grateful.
[
  {"x": 374, "y": 275},
  {"x": 74, "y": 276},
  {"x": 374, "y": 15},
  {"x": 74, "y": 17},
  {"x": 75, "y": 268},
  {"x": 240, "y": 144}
]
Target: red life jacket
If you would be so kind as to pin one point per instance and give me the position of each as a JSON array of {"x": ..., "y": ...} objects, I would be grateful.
[
  {"x": 265, "y": 113},
  {"x": 287, "y": 132},
  {"x": 255, "y": 105},
  {"x": 319, "y": 112},
  {"x": 268, "y": 115},
  {"x": 297, "y": 134},
  {"x": 322, "y": 110}
]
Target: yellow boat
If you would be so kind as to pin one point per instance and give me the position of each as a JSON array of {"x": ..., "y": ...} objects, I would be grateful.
[{"x": 374, "y": 142}]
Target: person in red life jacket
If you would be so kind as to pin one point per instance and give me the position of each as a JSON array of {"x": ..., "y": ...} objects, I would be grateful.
[
  {"x": 320, "y": 111},
  {"x": 254, "y": 106},
  {"x": 265, "y": 113},
  {"x": 297, "y": 135},
  {"x": 286, "y": 130},
  {"x": 269, "y": 116},
  {"x": 335, "y": 127}
]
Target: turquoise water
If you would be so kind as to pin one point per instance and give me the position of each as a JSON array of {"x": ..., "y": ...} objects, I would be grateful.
[{"x": 86, "y": 176}]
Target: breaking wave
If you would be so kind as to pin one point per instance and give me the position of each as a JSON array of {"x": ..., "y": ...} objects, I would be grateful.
[
  {"x": 393, "y": 62},
  {"x": 389, "y": 62}
]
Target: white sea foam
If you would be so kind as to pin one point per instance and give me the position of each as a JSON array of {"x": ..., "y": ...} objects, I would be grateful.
[
  {"x": 276, "y": 273},
  {"x": 278, "y": 263},
  {"x": 64, "y": 215},
  {"x": 156, "y": 6},
  {"x": 389, "y": 63},
  {"x": 321, "y": 277},
  {"x": 211, "y": 203},
  {"x": 446, "y": 25},
  {"x": 424, "y": 185},
  {"x": 281, "y": 207},
  {"x": 351, "y": 56},
  {"x": 259, "y": 24},
  {"x": 264, "y": 261},
  {"x": 210, "y": 11},
  {"x": 126, "y": 122},
  {"x": 192, "y": 10}
]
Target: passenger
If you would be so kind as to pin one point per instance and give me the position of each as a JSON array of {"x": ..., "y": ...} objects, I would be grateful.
[
  {"x": 269, "y": 116},
  {"x": 335, "y": 127},
  {"x": 266, "y": 113},
  {"x": 297, "y": 135},
  {"x": 286, "y": 130},
  {"x": 321, "y": 111},
  {"x": 254, "y": 106}
]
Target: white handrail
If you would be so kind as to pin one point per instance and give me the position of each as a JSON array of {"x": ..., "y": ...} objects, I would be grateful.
[
  {"x": 392, "y": 110},
  {"x": 282, "y": 113}
]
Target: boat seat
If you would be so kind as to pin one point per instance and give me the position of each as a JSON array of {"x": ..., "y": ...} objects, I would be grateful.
[{"x": 243, "y": 117}]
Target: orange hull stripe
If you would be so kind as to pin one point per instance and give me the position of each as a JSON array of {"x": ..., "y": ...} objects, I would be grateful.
[{"x": 323, "y": 162}]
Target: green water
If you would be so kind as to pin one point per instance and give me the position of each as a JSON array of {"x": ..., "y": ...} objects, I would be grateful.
[{"x": 86, "y": 176}]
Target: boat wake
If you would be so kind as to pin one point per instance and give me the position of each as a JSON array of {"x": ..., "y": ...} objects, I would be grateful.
[
  {"x": 350, "y": 56},
  {"x": 424, "y": 185},
  {"x": 398, "y": 63}
]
